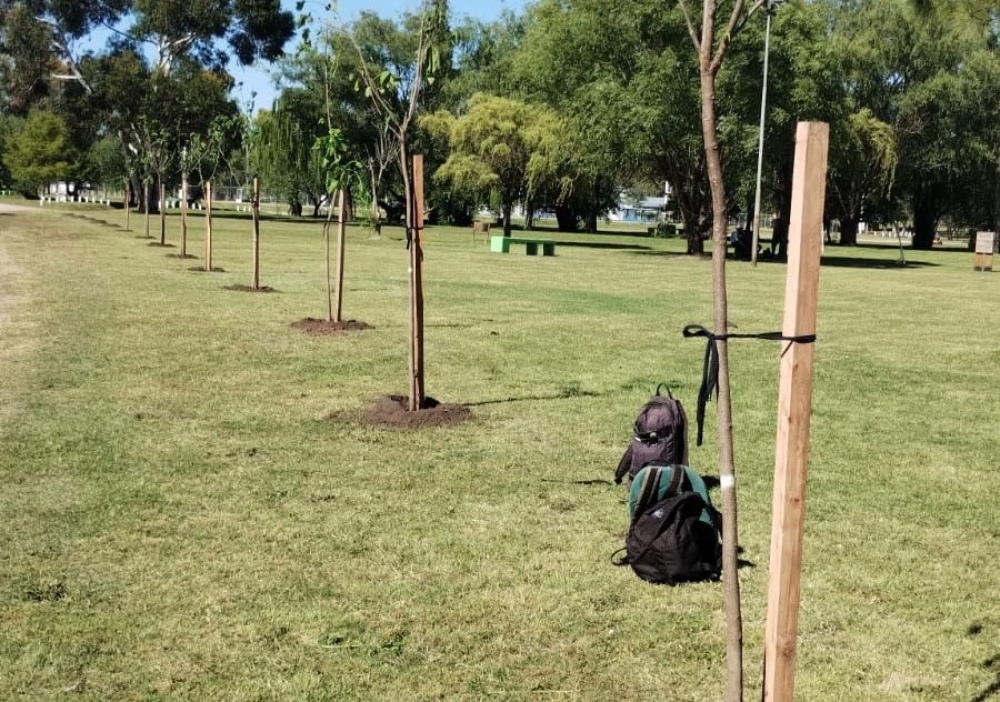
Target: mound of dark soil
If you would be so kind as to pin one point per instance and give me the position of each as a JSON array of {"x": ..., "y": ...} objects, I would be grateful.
[
  {"x": 247, "y": 288},
  {"x": 323, "y": 326},
  {"x": 391, "y": 411}
]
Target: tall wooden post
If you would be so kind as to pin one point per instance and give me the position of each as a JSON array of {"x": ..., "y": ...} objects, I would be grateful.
[
  {"x": 208, "y": 226},
  {"x": 147, "y": 195},
  {"x": 255, "y": 209},
  {"x": 417, "y": 287},
  {"x": 128, "y": 204},
  {"x": 163, "y": 212},
  {"x": 805, "y": 236},
  {"x": 184, "y": 214},
  {"x": 341, "y": 234}
]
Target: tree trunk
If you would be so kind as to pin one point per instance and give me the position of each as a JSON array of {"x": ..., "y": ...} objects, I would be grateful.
[
  {"x": 565, "y": 219},
  {"x": 849, "y": 231},
  {"x": 727, "y": 472},
  {"x": 508, "y": 207},
  {"x": 925, "y": 219}
]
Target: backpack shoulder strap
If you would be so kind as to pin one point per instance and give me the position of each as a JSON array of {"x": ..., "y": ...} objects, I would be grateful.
[
  {"x": 647, "y": 491},
  {"x": 676, "y": 480},
  {"x": 624, "y": 464}
]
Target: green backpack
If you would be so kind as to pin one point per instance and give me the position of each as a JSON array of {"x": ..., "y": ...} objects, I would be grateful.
[{"x": 691, "y": 482}]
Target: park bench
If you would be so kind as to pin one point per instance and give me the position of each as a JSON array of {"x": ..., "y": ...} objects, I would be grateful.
[{"x": 501, "y": 244}]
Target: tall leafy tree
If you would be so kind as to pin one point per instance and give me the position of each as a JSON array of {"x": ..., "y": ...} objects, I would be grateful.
[
  {"x": 39, "y": 152},
  {"x": 503, "y": 147}
]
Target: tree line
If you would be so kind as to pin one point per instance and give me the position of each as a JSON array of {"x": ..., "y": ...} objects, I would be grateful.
[{"x": 561, "y": 107}]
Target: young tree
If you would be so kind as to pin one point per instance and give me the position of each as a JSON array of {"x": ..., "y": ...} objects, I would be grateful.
[
  {"x": 711, "y": 43},
  {"x": 395, "y": 97},
  {"x": 341, "y": 174}
]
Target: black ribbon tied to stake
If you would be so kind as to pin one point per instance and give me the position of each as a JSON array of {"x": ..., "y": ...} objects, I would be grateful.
[{"x": 710, "y": 368}]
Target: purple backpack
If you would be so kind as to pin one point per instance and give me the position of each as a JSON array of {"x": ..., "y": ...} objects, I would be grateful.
[{"x": 660, "y": 435}]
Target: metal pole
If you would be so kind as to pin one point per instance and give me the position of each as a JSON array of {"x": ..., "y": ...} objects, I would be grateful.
[{"x": 760, "y": 143}]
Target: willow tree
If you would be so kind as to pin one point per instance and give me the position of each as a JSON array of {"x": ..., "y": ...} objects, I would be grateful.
[{"x": 501, "y": 147}]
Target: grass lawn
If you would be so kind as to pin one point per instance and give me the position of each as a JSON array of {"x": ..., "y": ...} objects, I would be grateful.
[{"x": 181, "y": 519}]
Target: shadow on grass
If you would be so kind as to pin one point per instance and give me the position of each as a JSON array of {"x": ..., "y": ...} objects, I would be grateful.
[
  {"x": 561, "y": 395},
  {"x": 873, "y": 263},
  {"x": 604, "y": 245},
  {"x": 992, "y": 664}
]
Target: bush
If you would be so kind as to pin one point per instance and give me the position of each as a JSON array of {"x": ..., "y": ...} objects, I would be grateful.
[{"x": 663, "y": 230}]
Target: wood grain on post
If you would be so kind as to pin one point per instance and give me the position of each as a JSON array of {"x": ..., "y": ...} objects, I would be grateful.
[
  {"x": 163, "y": 213},
  {"x": 255, "y": 246},
  {"x": 208, "y": 226},
  {"x": 805, "y": 236},
  {"x": 341, "y": 235},
  {"x": 184, "y": 215},
  {"x": 417, "y": 261}
]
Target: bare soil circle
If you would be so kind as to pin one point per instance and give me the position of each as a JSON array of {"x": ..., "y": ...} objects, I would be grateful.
[
  {"x": 324, "y": 326},
  {"x": 249, "y": 288},
  {"x": 392, "y": 412}
]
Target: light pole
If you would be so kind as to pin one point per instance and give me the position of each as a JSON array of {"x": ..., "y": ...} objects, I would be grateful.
[{"x": 769, "y": 6}]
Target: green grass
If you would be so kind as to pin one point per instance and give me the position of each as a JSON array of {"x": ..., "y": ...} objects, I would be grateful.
[{"x": 180, "y": 519}]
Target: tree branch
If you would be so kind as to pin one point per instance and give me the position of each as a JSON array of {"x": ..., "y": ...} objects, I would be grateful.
[{"x": 690, "y": 25}]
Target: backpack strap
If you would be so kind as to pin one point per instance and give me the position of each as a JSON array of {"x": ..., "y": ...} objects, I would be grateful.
[
  {"x": 647, "y": 491},
  {"x": 624, "y": 464},
  {"x": 677, "y": 475},
  {"x": 664, "y": 385}
]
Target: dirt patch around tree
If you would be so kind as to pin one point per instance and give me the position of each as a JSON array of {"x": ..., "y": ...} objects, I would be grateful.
[
  {"x": 162, "y": 246},
  {"x": 391, "y": 412},
  {"x": 248, "y": 288},
  {"x": 179, "y": 255},
  {"x": 201, "y": 269},
  {"x": 323, "y": 326}
]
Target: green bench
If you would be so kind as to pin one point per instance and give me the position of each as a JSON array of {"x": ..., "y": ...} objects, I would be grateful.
[{"x": 501, "y": 244}]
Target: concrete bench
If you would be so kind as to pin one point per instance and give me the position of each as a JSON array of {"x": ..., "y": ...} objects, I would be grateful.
[
  {"x": 501, "y": 244},
  {"x": 481, "y": 228}
]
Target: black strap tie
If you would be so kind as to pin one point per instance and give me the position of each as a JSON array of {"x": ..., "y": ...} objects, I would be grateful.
[{"x": 710, "y": 368}]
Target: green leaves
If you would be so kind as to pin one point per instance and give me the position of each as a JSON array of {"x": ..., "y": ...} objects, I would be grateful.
[{"x": 339, "y": 171}]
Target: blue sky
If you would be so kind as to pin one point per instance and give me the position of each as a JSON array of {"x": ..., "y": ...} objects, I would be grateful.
[{"x": 257, "y": 79}]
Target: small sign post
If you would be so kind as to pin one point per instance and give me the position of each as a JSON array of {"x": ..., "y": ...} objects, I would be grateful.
[{"x": 985, "y": 246}]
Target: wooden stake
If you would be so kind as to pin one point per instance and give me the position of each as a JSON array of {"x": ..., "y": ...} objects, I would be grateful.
[
  {"x": 805, "y": 236},
  {"x": 208, "y": 226},
  {"x": 417, "y": 307},
  {"x": 163, "y": 212},
  {"x": 128, "y": 204},
  {"x": 255, "y": 246},
  {"x": 184, "y": 215},
  {"x": 341, "y": 235}
]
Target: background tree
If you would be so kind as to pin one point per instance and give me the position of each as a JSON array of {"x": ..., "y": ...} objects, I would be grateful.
[
  {"x": 38, "y": 152},
  {"x": 502, "y": 146}
]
